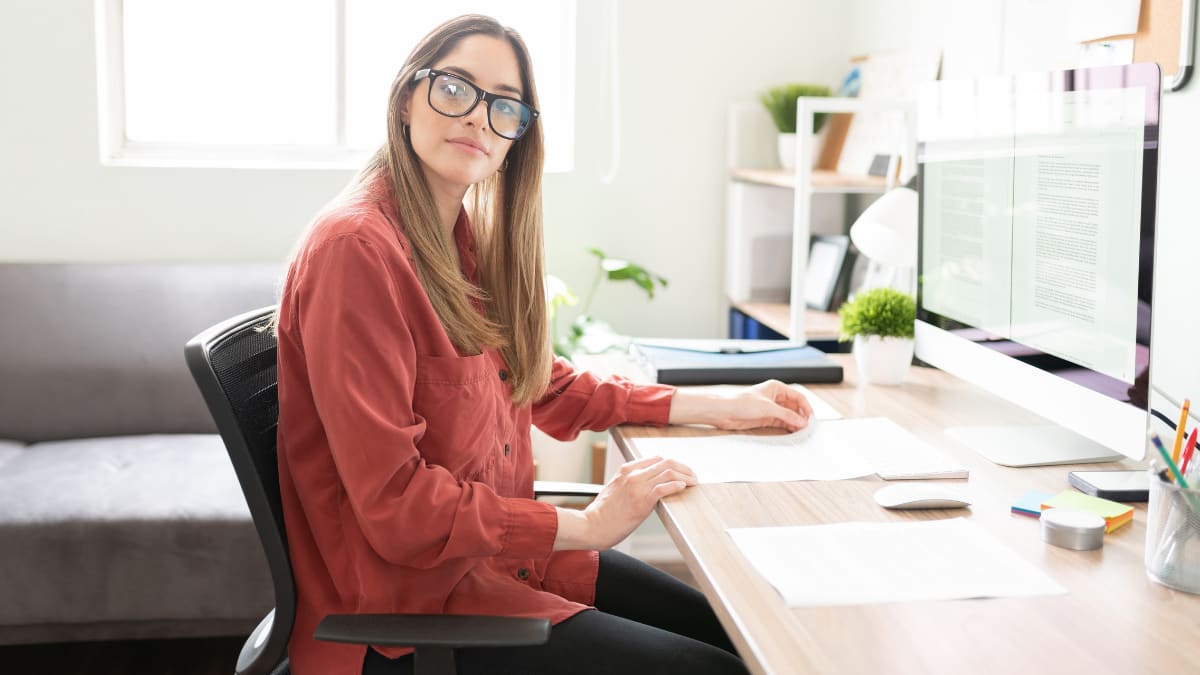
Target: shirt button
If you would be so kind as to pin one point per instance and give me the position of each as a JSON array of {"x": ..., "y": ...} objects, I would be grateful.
[
  {"x": 523, "y": 573},
  {"x": 503, "y": 375},
  {"x": 506, "y": 449}
]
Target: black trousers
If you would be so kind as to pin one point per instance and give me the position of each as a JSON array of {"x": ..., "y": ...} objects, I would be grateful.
[{"x": 646, "y": 622}]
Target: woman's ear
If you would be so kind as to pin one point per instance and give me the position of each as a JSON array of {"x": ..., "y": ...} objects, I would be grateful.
[{"x": 404, "y": 108}]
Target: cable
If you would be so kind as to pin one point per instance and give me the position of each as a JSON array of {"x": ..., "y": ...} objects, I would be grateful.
[
  {"x": 1164, "y": 419},
  {"x": 1178, "y": 405}
]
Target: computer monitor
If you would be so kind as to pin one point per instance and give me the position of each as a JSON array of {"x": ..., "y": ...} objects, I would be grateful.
[{"x": 1036, "y": 251}]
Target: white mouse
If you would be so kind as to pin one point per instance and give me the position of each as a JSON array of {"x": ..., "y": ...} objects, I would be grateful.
[{"x": 922, "y": 496}]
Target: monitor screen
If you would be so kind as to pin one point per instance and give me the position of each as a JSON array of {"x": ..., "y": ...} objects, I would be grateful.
[{"x": 1036, "y": 239}]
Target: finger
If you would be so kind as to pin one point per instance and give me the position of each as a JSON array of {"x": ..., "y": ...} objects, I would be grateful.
[
  {"x": 787, "y": 418},
  {"x": 637, "y": 464},
  {"x": 649, "y": 472},
  {"x": 671, "y": 475},
  {"x": 790, "y": 398},
  {"x": 665, "y": 489}
]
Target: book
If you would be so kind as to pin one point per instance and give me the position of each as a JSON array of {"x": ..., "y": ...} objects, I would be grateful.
[
  {"x": 1115, "y": 514},
  {"x": 687, "y": 362}
]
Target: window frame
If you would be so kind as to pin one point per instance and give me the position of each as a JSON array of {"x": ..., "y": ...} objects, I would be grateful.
[{"x": 116, "y": 149}]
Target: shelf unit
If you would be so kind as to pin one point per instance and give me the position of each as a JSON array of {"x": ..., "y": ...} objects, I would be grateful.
[
  {"x": 772, "y": 212},
  {"x": 824, "y": 181},
  {"x": 819, "y": 326}
]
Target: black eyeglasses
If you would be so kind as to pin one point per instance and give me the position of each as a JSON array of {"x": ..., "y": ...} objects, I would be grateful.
[{"x": 452, "y": 96}]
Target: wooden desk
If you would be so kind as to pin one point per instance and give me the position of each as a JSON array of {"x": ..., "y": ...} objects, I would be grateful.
[{"x": 1113, "y": 619}]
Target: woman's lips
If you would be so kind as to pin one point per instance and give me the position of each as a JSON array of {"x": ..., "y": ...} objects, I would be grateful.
[{"x": 469, "y": 146}]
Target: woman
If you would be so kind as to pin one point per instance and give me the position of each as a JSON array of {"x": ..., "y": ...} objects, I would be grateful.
[{"x": 413, "y": 357}]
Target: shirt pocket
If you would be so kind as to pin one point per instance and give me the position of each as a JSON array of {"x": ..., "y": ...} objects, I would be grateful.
[{"x": 457, "y": 398}]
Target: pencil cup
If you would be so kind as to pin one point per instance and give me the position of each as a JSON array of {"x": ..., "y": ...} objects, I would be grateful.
[{"x": 1173, "y": 535}]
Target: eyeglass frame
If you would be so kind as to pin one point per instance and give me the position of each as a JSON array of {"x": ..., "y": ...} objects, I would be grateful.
[{"x": 481, "y": 94}]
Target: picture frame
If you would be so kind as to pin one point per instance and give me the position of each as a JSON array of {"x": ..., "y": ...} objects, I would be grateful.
[{"x": 829, "y": 264}]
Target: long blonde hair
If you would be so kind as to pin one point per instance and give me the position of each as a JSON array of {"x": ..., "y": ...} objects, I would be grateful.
[{"x": 505, "y": 210}]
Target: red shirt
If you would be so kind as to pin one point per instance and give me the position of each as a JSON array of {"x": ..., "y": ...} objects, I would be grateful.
[{"x": 404, "y": 467}]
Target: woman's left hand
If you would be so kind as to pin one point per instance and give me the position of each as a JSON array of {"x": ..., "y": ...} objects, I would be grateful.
[{"x": 767, "y": 404}]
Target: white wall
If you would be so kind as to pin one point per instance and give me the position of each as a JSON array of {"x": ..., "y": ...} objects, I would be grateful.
[
  {"x": 987, "y": 36},
  {"x": 679, "y": 65}
]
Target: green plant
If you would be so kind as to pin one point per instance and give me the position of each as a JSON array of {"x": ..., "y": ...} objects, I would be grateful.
[
  {"x": 880, "y": 311},
  {"x": 586, "y": 332},
  {"x": 780, "y": 102}
]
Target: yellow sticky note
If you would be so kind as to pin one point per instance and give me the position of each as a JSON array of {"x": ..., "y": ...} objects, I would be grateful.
[{"x": 1115, "y": 514}]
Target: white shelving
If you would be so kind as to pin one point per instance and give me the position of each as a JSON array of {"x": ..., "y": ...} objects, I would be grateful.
[{"x": 771, "y": 213}]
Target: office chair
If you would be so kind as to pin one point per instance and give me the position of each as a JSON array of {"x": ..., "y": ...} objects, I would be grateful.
[{"x": 234, "y": 364}]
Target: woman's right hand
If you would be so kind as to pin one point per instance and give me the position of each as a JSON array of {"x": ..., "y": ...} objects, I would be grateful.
[{"x": 623, "y": 503}]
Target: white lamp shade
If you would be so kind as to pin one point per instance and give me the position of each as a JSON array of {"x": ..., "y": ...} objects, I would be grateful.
[{"x": 887, "y": 231}]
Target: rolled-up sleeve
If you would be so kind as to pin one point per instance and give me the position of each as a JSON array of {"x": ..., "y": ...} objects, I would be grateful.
[
  {"x": 361, "y": 363},
  {"x": 578, "y": 400}
]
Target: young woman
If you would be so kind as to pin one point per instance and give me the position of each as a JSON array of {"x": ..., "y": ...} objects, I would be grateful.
[{"x": 414, "y": 355}]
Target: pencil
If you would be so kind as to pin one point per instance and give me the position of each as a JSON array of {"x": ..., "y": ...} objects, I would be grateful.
[
  {"x": 1180, "y": 431},
  {"x": 1167, "y": 458},
  {"x": 1189, "y": 449}
]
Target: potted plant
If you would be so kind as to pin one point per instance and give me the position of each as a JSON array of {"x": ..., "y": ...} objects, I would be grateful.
[
  {"x": 880, "y": 321},
  {"x": 587, "y": 333},
  {"x": 780, "y": 102},
  {"x": 571, "y": 460}
]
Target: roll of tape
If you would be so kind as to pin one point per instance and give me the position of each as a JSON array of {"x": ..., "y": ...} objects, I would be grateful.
[{"x": 1078, "y": 530}]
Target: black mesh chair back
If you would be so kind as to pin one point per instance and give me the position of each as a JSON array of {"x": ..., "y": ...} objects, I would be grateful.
[{"x": 234, "y": 364}]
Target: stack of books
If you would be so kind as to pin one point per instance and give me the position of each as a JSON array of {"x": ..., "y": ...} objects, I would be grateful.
[{"x": 687, "y": 362}]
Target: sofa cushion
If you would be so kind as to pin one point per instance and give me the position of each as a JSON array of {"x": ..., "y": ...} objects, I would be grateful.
[
  {"x": 95, "y": 349},
  {"x": 9, "y": 450},
  {"x": 126, "y": 529}
]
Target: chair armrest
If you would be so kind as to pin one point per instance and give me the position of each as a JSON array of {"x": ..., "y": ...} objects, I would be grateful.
[
  {"x": 554, "y": 488},
  {"x": 433, "y": 630}
]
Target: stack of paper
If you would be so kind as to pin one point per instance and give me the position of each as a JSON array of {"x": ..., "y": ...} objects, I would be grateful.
[
  {"x": 1115, "y": 514},
  {"x": 1030, "y": 503},
  {"x": 830, "y": 450},
  {"x": 864, "y": 563}
]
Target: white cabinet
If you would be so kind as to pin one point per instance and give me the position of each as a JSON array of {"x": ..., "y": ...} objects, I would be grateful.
[{"x": 770, "y": 212}]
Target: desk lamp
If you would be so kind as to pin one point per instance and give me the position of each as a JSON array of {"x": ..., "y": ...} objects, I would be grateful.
[{"x": 886, "y": 233}]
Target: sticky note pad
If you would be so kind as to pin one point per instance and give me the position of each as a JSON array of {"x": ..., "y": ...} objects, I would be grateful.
[
  {"x": 1030, "y": 503},
  {"x": 1115, "y": 514}
]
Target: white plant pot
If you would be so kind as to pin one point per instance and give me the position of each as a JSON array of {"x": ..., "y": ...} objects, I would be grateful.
[
  {"x": 787, "y": 151},
  {"x": 882, "y": 360}
]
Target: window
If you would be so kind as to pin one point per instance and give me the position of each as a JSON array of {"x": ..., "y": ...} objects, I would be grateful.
[{"x": 291, "y": 83}]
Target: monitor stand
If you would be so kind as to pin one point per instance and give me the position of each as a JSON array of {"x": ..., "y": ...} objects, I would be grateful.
[{"x": 1037, "y": 445}]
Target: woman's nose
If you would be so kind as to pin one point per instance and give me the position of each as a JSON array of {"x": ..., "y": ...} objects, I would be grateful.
[{"x": 478, "y": 115}]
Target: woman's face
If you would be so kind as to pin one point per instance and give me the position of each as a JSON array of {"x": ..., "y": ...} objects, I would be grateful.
[{"x": 459, "y": 151}]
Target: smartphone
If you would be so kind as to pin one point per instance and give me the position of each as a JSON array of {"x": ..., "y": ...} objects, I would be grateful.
[{"x": 1119, "y": 486}]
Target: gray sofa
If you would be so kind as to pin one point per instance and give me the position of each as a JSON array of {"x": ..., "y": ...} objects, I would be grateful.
[{"x": 120, "y": 515}]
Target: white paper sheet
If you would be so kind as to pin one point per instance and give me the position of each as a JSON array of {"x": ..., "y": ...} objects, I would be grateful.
[
  {"x": 1107, "y": 53},
  {"x": 890, "y": 76},
  {"x": 831, "y": 450},
  {"x": 868, "y": 563},
  {"x": 1095, "y": 19}
]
